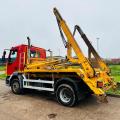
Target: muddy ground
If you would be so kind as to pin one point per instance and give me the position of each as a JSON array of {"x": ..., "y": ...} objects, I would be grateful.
[{"x": 42, "y": 106}]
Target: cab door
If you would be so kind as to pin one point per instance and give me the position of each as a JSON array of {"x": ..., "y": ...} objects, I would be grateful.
[{"x": 12, "y": 64}]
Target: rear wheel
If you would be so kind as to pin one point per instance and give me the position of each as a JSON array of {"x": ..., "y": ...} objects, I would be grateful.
[
  {"x": 66, "y": 95},
  {"x": 15, "y": 87}
]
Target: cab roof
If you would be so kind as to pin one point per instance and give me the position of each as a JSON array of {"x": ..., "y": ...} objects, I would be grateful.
[{"x": 24, "y": 45}]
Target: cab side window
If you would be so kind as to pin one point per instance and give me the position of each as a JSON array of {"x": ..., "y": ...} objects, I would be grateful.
[
  {"x": 38, "y": 54},
  {"x": 34, "y": 54},
  {"x": 13, "y": 56}
]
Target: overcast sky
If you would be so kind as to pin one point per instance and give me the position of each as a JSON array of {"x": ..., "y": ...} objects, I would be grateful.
[{"x": 35, "y": 18}]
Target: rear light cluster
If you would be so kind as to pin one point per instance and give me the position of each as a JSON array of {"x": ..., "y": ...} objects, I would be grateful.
[{"x": 100, "y": 84}]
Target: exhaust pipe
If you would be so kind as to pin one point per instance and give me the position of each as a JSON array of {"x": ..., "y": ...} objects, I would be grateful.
[{"x": 29, "y": 45}]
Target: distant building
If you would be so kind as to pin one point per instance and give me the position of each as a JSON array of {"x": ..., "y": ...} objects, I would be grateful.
[{"x": 116, "y": 60}]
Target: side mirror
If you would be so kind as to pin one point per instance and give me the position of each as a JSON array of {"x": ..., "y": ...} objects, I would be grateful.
[{"x": 3, "y": 56}]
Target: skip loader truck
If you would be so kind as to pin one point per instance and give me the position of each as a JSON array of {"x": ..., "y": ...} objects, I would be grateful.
[{"x": 70, "y": 79}]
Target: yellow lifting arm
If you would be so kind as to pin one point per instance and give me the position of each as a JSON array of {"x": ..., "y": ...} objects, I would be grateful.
[
  {"x": 100, "y": 62},
  {"x": 72, "y": 44}
]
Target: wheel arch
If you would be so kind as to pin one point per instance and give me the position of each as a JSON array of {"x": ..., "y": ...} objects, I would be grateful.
[
  {"x": 18, "y": 76},
  {"x": 78, "y": 84},
  {"x": 69, "y": 81}
]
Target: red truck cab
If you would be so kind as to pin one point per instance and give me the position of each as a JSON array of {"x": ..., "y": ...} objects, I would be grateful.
[{"x": 18, "y": 57}]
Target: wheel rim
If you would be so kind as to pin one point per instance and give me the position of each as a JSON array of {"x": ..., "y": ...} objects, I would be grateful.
[
  {"x": 15, "y": 86},
  {"x": 65, "y": 95}
]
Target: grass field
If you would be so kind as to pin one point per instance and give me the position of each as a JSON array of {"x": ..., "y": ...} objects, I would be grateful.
[
  {"x": 2, "y": 76},
  {"x": 115, "y": 72},
  {"x": 2, "y": 68}
]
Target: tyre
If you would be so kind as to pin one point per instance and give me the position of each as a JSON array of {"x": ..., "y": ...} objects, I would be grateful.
[
  {"x": 15, "y": 87},
  {"x": 65, "y": 95}
]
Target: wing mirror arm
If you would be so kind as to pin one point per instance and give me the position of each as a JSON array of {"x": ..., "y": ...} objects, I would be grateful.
[{"x": 3, "y": 56}]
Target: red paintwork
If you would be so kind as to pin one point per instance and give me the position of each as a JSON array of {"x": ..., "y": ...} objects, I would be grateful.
[{"x": 19, "y": 64}]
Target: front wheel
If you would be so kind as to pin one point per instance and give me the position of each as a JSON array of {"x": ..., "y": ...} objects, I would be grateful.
[
  {"x": 15, "y": 87},
  {"x": 65, "y": 95}
]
